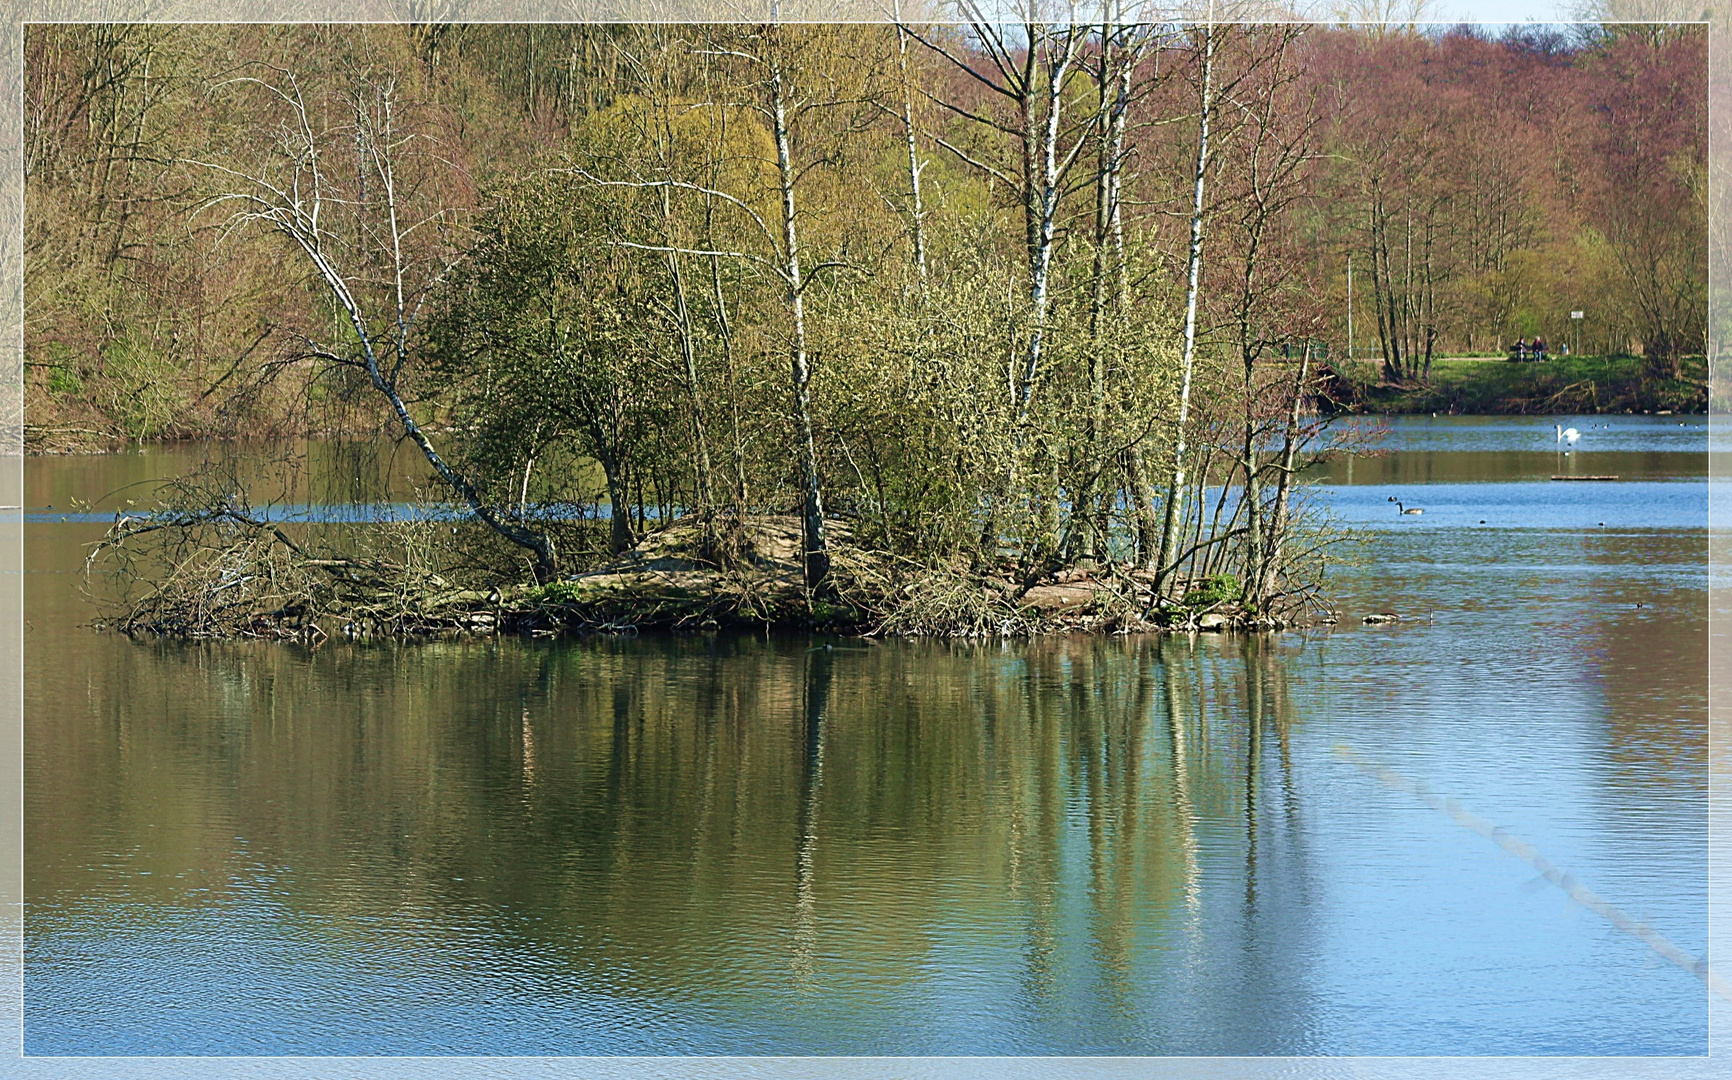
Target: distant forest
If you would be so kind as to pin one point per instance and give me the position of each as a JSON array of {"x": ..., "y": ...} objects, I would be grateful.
[{"x": 1481, "y": 188}]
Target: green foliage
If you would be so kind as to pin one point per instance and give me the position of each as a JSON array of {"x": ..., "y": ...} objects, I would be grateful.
[
  {"x": 1215, "y": 589},
  {"x": 63, "y": 375},
  {"x": 832, "y": 613},
  {"x": 65, "y": 381},
  {"x": 1572, "y": 384},
  {"x": 137, "y": 385},
  {"x": 561, "y": 592}
]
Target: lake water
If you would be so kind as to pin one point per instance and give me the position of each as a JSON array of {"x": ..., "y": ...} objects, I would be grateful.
[{"x": 740, "y": 845}]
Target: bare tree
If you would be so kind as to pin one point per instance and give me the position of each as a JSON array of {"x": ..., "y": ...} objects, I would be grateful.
[
  {"x": 916, "y": 211},
  {"x": 791, "y": 76},
  {"x": 339, "y": 195},
  {"x": 1277, "y": 124},
  {"x": 1166, "y": 558},
  {"x": 1032, "y": 72},
  {"x": 1122, "y": 48}
]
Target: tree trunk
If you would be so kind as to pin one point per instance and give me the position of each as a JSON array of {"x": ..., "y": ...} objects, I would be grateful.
[
  {"x": 817, "y": 552},
  {"x": 917, "y": 213},
  {"x": 1042, "y": 201},
  {"x": 1248, "y": 360},
  {"x": 1113, "y": 87},
  {"x": 1176, "y": 480},
  {"x": 620, "y": 536},
  {"x": 726, "y": 331},
  {"x": 1409, "y": 334},
  {"x": 689, "y": 365},
  {"x": 1271, "y": 568},
  {"x": 1142, "y": 507}
]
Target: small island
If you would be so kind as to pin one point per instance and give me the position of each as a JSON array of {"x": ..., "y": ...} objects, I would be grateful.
[{"x": 891, "y": 330}]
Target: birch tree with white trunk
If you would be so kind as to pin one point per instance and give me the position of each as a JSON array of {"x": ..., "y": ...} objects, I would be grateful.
[
  {"x": 807, "y": 90},
  {"x": 1173, "y": 518},
  {"x": 336, "y": 191}
]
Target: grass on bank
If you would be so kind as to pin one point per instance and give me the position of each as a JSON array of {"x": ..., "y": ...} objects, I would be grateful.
[{"x": 1574, "y": 384}]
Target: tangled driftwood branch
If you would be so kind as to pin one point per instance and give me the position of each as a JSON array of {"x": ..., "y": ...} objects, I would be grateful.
[{"x": 205, "y": 563}]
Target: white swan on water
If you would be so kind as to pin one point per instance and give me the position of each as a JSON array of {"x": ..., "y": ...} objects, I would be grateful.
[
  {"x": 1566, "y": 434},
  {"x": 1404, "y": 509}
]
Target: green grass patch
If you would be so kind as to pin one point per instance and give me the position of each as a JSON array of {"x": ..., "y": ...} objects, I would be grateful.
[
  {"x": 563, "y": 592},
  {"x": 1212, "y": 590},
  {"x": 1575, "y": 384},
  {"x": 64, "y": 381}
]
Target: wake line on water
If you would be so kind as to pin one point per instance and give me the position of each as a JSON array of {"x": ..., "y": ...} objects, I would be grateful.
[{"x": 1563, "y": 879}]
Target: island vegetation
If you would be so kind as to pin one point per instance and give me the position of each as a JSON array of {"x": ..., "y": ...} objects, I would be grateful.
[{"x": 968, "y": 328}]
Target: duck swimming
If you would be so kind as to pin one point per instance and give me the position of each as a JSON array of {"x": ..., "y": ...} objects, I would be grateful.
[{"x": 1400, "y": 509}]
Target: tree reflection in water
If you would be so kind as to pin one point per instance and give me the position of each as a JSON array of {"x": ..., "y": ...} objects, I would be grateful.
[{"x": 1093, "y": 844}]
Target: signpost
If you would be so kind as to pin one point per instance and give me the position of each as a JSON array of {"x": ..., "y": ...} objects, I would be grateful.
[{"x": 1576, "y": 324}]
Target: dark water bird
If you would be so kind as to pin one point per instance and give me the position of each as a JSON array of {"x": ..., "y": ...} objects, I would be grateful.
[{"x": 1400, "y": 509}]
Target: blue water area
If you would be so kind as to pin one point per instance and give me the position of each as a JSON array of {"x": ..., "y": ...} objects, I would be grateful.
[
  {"x": 1490, "y": 434},
  {"x": 1566, "y": 506},
  {"x": 739, "y": 844}
]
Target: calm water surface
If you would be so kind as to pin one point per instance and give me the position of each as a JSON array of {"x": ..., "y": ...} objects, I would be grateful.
[{"x": 1071, "y": 846}]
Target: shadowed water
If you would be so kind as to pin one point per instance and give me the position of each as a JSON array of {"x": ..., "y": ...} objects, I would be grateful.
[{"x": 738, "y": 845}]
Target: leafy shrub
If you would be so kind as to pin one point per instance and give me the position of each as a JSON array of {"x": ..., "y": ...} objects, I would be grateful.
[
  {"x": 139, "y": 387},
  {"x": 1214, "y": 589}
]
